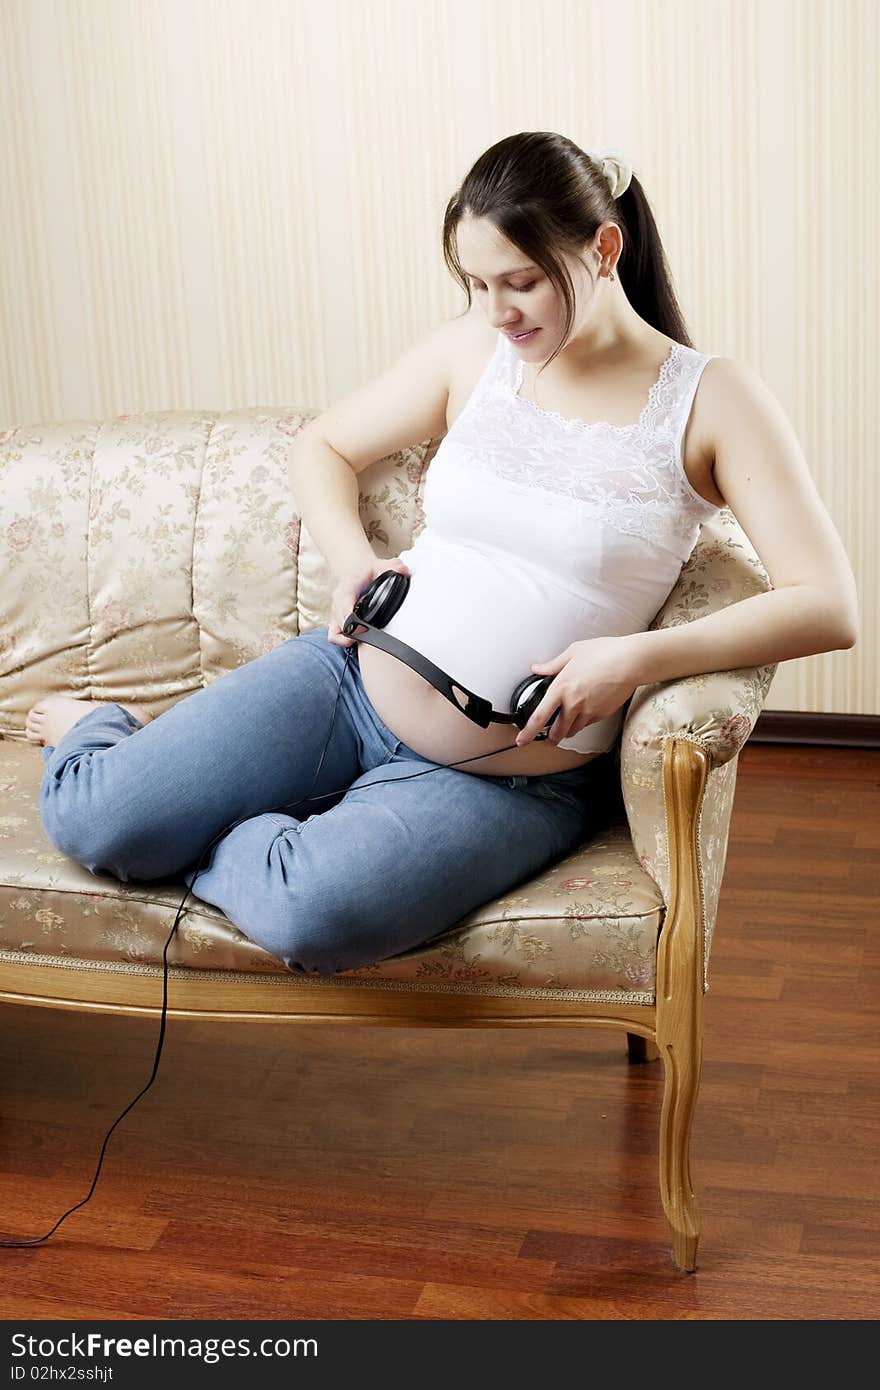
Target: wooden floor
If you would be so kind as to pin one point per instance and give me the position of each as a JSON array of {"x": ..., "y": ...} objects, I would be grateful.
[{"x": 341, "y": 1172}]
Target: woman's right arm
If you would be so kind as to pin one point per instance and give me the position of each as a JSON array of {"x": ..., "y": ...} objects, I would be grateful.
[
  {"x": 326, "y": 493},
  {"x": 402, "y": 407}
]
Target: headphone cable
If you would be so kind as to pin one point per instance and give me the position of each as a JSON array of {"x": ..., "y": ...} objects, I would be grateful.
[{"x": 37, "y": 1240}]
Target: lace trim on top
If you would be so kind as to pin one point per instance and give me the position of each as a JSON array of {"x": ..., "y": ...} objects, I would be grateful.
[
  {"x": 650, "y": 411},
  {"x": 630, "y": 477}
]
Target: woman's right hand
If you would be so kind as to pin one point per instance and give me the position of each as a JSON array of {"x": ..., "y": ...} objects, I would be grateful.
[{"x": 349, "y": 589}]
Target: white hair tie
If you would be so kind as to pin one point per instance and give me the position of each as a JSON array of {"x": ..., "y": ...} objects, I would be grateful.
[{"x": 616, "y": 169}]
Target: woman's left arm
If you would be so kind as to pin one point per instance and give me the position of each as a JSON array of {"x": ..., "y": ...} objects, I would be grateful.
[{"x": 761, "y": 472}]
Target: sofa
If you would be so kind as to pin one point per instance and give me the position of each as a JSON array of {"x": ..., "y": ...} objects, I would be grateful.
[{"x": 146, "y": 555}]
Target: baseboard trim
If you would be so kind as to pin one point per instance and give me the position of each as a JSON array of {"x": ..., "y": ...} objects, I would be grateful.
[{"x": 796, "y": 726}]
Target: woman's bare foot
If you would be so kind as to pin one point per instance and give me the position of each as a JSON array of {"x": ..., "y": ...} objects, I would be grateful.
[{"x": 49, "y": 719}]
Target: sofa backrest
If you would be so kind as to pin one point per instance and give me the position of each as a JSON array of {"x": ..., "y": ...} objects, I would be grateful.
[{"x": 145, "y": 555}]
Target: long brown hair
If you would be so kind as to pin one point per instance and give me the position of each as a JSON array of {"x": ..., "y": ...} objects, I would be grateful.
[{"x": 546, "y": 196}]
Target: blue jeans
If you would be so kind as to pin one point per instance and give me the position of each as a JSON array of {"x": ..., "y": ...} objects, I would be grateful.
[{"x": 387, "y": 860}]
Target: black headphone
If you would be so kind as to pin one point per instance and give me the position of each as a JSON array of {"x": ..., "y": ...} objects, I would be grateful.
[
  {"x": 374, "y": 608},
  {"x": 373, "y": 611}
]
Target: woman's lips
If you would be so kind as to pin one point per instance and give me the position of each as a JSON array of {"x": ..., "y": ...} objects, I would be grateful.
[{"x": 521, "y": 337}]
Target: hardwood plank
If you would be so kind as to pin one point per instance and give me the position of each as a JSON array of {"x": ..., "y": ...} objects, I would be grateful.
[{"x": 276, "y": 1171}]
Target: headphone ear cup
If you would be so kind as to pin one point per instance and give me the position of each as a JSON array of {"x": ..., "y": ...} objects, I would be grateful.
[
  {"x": 526, "y": 698},
  {"x": 381, "y": 599}
]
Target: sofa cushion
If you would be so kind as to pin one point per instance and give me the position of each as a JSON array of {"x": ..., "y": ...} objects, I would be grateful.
[{"x": 584, "y": 929}]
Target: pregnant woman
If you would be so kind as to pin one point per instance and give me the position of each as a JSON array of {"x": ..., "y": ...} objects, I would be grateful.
[{"x": 585, "y": 442}]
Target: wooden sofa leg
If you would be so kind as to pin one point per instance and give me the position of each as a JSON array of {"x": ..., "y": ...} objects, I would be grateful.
[
  {"x": 641, "y": 1049},
  {"x": 679, "y": 995},
  {"x": 681, "y": 1084}
]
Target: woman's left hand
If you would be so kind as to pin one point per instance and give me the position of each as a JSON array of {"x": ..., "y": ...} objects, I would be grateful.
[{"x": 593, "y": 679}]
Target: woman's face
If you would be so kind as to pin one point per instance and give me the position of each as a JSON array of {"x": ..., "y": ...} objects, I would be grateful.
[{"x": 514, "y": 294}]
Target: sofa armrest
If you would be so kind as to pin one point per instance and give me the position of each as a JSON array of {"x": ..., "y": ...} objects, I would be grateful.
[
  {"x": 718, "y": 711},
  {"x": 715, "y": 711}
]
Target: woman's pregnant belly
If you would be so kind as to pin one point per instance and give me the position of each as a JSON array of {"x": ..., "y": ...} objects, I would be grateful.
[
  {"x": 424, "y": 719},
  {"x": 483, "y": 617}
]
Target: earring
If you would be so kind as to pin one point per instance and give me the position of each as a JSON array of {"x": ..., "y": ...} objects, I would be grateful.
[{"x": 611, "y": 275}]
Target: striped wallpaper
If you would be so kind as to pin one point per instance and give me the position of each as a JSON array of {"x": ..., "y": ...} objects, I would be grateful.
[{"x": 234, "y": 203}]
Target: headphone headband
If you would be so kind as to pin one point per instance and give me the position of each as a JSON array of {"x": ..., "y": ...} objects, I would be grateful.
[{"x": 377, "y": 605}]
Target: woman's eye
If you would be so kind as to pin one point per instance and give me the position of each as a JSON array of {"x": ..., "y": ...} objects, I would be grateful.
[{"x": 518, "y": 289}]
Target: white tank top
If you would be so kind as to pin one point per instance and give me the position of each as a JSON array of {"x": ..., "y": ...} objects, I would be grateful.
[{"x": 541, "y": 531}]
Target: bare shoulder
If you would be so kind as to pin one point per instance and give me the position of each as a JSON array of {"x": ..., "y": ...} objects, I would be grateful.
[
  {"x": 405, "y": 405},
  {"x": 465, "y": 340},
  {"x": 762, "y": 473},
  {"x": 471, "y": 333},
  {"x": 728, "y": 388},
  {"x": 471, "y": 347}
]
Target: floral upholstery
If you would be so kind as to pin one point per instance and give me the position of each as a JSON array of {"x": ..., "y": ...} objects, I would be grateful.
[{"x": 145, "y": 556}]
